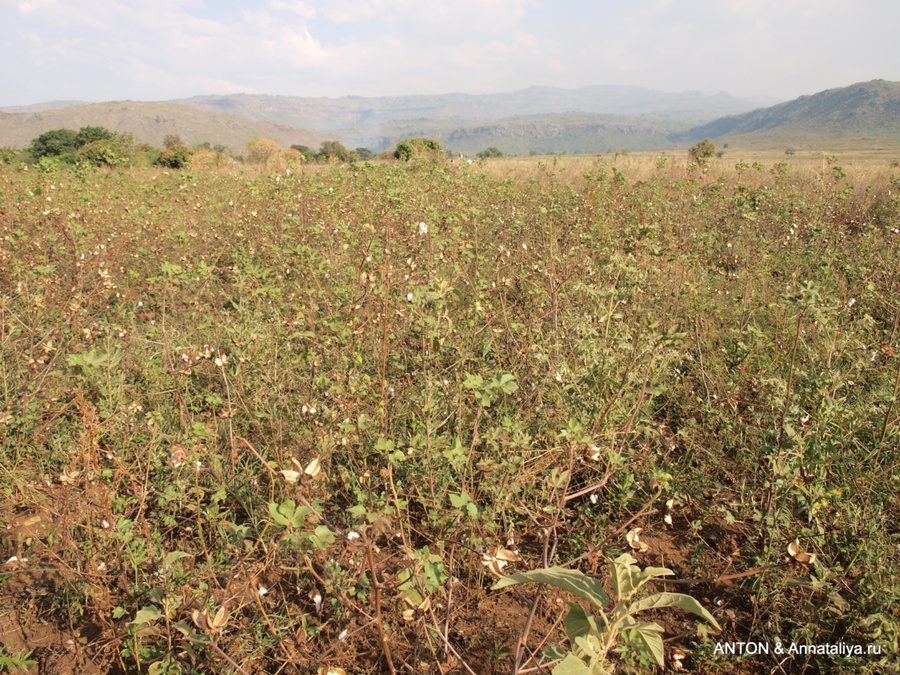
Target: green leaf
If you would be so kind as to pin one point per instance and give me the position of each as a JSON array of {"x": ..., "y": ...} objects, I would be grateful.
[
  {"x": 460, "y": 501},
  {"x": 384, "y": 445},
  {"x": 572, "y": 581},
  {"x": 579, "y": 622},
  {"x": 324, "y": 535},
  {"x": 648, "y": 636},
  {"x": 173, "y": 557},
  {"x": 187, "y": 630},
  {"x": 623, "y": 572},
  {"x": 679, "y": 600},
  {"x": 506, "y": 383},
  {"x": 641, "y": 578},
  {"x": 357, "y": 511},
  {"x": 572, "y": 665},
  {"x": 282, "y": 513},
  {"x": 276, "y": 514},
  {"x": 473, "y": 381},
  {"x": 299, "y": 516},
  {"x": 553, "y": 653},
  {"x": 146, "y": 615}
]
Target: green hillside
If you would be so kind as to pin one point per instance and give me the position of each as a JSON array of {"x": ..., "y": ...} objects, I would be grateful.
[
  {"x": 568, "y": 133},
  {"x": 150, "y": 123},
  {"x": 862, "y": 115}
]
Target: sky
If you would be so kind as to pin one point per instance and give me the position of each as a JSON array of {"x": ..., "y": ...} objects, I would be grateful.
[{"x": 156, "y": 50}]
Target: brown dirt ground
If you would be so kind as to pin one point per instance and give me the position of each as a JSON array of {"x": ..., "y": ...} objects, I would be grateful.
[{"x": 482, "y": 627}]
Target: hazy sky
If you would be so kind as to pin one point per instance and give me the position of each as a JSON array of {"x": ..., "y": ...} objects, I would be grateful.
[{"x": 99, "y": 50}]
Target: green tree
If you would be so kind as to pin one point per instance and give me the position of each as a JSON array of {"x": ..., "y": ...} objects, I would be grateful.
[
  {"x": 53, "y": 143},
  {"x": 90, "y": 134},
  {"x": 364, "y": 153},
  {"x": 108, "y": 152},
  {"x": 334, "y": 150},
  {"x": 302, "y": 149},
  {"x": 490, "y": 152},
  {"x": 702, "y": 150},
  {"x": 415, "y": 146},
  {"x": 176, "y": 157}
]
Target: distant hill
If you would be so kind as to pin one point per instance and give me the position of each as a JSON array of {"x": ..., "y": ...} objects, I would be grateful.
[
  {"x": 331, "y": 114},
  {"x": 559, "y": 133},
  {"x": 150, "y": 122},
  {"x": 867, "y": 113},
  {"x": 545, "y": 120},
  {"x": 39, "y": 107}
]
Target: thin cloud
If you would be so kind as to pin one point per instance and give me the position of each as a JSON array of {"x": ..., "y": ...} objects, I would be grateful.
[{"x": 162, "y": 49}]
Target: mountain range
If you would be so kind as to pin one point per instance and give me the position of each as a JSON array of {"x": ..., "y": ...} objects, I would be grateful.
[
  {"x": 862, "y": 114},
  {"x": 324, "y": 114},
  {"x": 545, "y": 120}
]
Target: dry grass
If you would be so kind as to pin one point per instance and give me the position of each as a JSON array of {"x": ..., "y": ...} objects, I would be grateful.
[{"x": 862, "y": 169}]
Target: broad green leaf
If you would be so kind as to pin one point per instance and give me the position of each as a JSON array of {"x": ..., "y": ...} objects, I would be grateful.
[
  {"x": 648, "y": 573},
  {"x": 299, "y": 517},
  {"x": 174, "y": 556},
  {"x": 572, "y": 665},
  {"x": 187, "y": 630},
  {"x": 572, "y": 581},
  {"x": 588, "y": 646},
  {"x": 460, "y": 501},
  {"x": 473, "y": 381},
  {"x": 506, "y": 383},
  {"x": 323, "y": 537},
  {"x": 679, "y": 600},
  {"x": 278, "y": 515},
  {"x": 576, "y": 622},
  {"x": 648, "y": 636},
  {"x": 146, "y": 615},
  {"x": 623, "y": 570},
  {"x": 553, "y": 653},
  {"x": 579, "y": 622}
]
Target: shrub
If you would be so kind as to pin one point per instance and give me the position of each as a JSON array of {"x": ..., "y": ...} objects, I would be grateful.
[
  {"x": 88, "y": 135},
  {"x": 205, "y": 159},
  {"x": 263, "y": 149},
  {"x": 415, "y": 146},
  {"x": 702, "y": 150},
  {"x": 8, "y": 155},
  {"x": 53, "y": 143},
  {"x": 334, "y": 150},
  {"x": 106, "y": 152},
  {"x": 176, "y": 157},
  {"x": 490, "y": 152}
]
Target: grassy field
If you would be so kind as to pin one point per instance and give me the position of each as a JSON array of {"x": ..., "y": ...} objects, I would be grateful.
[{"x": 304, "y": 421}]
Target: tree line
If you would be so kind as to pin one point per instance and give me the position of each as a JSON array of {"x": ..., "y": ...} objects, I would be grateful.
[{"x": 99, "y": 146}]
